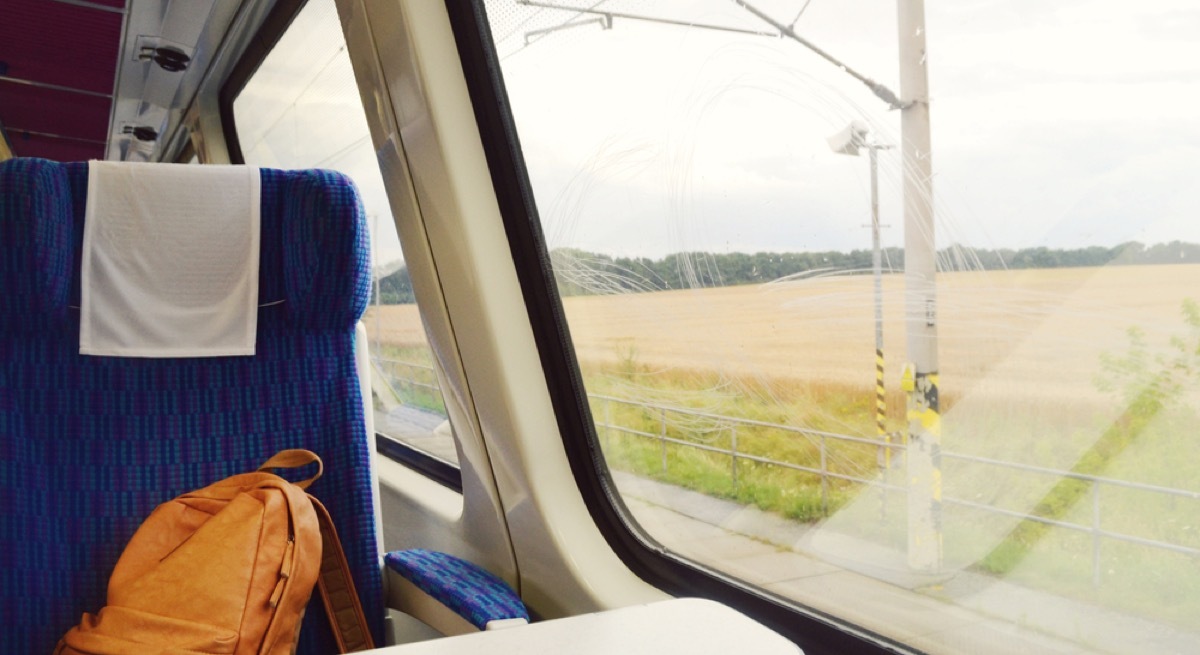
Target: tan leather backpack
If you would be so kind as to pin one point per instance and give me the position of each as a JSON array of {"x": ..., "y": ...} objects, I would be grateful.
[{"x": 226, "y": 569}]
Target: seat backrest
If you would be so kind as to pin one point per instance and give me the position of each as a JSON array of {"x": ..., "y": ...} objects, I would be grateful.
[{"x": 90, "y": 445}]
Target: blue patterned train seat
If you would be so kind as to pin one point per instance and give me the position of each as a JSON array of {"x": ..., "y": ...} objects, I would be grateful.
[
  {"x": 479, "y": 597},
  {"x": 90, "y": 445}
]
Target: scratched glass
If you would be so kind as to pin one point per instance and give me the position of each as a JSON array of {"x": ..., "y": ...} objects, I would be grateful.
[{"x": 924, "y": 361}]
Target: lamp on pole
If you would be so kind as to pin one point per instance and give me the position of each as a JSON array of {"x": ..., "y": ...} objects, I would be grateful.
[
  {"x": 924, "y": 449},
  {"x": 851, "y": 141},
  {"x": 920, "y": 380}
]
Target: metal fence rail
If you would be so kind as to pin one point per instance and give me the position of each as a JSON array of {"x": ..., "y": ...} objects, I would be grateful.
[
  {"x": 407, "y": 381},
  {"x": 824, "y": 472}
]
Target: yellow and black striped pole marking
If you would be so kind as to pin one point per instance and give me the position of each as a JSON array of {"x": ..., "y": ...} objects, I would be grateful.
[
  {"x": 924, "y": 455},
  {"x": 881, "y": 410}
]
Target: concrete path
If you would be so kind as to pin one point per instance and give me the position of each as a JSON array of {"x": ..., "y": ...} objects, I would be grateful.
[
  {"x": 420, "y": 429},
  {"x": 969, "y": 613}
]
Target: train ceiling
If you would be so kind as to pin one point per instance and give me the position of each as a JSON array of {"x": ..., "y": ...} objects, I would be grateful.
[
  {"x": 58, "y": 62},
  {"x": 103, "y": 79}
]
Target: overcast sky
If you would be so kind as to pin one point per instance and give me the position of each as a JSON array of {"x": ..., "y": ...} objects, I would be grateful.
[{"x": 1064, "y": 123}]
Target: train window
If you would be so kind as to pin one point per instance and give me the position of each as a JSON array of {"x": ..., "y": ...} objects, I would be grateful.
[
  {"x": 965, "y": 425},
  {"x": 301, "y": 109},
  {"x": 188, "y": 154}
]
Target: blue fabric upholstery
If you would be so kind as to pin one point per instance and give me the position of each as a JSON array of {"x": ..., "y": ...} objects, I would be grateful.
[
  {"x": 472, "y": 592},
  {"x": 34, "y": 302},
  {"x": 90, "y": 445}
]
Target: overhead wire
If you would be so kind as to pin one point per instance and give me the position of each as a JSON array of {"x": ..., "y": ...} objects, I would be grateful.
[
  {"x": 799, "y": 14},
  {"x": 535, "y": 14}
]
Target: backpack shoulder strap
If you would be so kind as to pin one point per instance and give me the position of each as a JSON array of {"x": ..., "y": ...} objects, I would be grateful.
[{"x": 337, "y": 589}]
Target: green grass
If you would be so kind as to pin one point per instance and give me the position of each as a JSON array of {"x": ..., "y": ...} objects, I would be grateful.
[
  {"x": 416, "y": 386},
  {"x": 1147, "y": 445},
  {"x": 795, "y": 494}
]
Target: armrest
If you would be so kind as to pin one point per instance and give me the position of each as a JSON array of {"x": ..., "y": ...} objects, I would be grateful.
[{"x": 450, "y": 594}]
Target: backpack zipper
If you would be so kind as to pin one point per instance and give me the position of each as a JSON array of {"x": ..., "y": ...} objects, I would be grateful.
[{"x": 285, "y": 571}]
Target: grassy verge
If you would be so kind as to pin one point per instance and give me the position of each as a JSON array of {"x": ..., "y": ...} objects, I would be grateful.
[
  {"x": 411, "y": 376},
  {"x": 1146, "y": 443},
  {"x": 1143, "y": 444},
  {"x": 690, "y": 443}
]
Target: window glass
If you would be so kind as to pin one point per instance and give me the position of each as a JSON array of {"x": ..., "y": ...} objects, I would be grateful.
[
  {"x": 301, "y": 109},
  {"x": 188, "y": 154},
  {"x": 970, "y": 429}
]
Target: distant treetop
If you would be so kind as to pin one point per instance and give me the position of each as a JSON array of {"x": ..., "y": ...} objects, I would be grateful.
[{"x": 586, "y": 273}]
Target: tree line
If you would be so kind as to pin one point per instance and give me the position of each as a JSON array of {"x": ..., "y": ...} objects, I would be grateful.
[{"x": 586, "y": 273}]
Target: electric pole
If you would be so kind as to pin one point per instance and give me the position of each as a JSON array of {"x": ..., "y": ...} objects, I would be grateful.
[
  {"x": 920, "y": 379},
  {"x": 920, "y": 296}
]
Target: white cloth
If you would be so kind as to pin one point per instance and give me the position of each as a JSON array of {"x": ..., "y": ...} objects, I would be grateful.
[{"x": 170, "y": 260}]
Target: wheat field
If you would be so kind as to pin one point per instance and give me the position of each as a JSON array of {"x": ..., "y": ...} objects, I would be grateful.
[
  {"x": 1021, "y": 361},
  {"x": 1015, "y": 334}
]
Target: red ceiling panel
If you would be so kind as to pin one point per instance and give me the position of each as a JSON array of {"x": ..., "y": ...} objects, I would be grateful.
[
  {"x": 56, "y": 149},
  {"x": 24, "y": 107},
  {"x": 60, "y": 43}
]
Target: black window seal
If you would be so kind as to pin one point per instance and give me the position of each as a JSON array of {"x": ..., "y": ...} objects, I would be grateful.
[
  {"x": 814, "y": 631},
  {"x": 439, "y": 470},
  {"x": 260, "y": 45}
]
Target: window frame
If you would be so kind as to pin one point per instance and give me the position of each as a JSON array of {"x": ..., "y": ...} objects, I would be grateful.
[
  {"x": 263, "y": 42},
  {"x": 815, "y": 631}
]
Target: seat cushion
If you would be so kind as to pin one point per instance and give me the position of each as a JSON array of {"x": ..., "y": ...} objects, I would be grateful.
[{"x": 472, "y": 592}]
